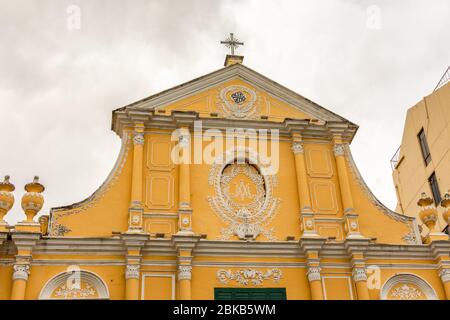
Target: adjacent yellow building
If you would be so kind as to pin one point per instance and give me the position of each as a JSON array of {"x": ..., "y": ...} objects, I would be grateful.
[
  {"x": 229, "y": 186},
  {"x": 422, "y": 163}
]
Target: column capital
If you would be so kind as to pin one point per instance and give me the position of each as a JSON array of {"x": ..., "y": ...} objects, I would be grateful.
[
  {"x": 297, "y": 147},
  {"x": 359, "y": 274},
  {"x": 313, "y": 273},
  {"x": 138, "y": 138},
  {"x": 444, "y": 273},
  {"x": 184, "y": 272},
  {"x": 21, "y": 271},
  {"x": 339, "y": 149},
  {"x": 132, "y": 271}
]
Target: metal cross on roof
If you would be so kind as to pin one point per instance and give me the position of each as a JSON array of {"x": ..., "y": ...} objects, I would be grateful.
[{"x": 232, "y": 43}]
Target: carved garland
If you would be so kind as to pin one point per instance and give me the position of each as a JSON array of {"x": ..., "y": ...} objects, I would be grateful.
[{"x": 247, "y": 277}]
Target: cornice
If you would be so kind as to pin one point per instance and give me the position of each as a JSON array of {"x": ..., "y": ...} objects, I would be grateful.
[
  {"x": 280, "y": 249},
  {"x": 287, "y": 128}
]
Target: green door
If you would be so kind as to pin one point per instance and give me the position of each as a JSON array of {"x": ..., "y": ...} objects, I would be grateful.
[{"x": 249, "y": 293}]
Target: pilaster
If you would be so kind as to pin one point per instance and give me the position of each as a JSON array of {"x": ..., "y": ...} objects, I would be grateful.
[
  {"x": 184, "y": 245},
  {"x": 311, "y": 248},
  {"x": 133, "y": 244},
  {"x": 24, "y": 242},
  {"x": 135, "y": 222},
  {"x": 356, "y": 249},
  {"x": 185, "y": 210}
]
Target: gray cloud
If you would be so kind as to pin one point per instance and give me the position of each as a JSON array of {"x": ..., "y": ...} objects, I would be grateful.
[{"x": 58, "y": 87}]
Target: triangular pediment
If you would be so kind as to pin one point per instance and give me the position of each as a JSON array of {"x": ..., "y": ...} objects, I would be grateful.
[{"x": 220, "y": 93}]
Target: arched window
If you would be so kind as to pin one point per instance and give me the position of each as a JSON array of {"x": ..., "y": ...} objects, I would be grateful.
[
  {"x": 407, "y": 287},
  {"x": 75, "y": 284}
]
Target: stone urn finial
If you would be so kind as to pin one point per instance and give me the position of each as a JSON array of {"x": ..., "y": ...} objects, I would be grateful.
[
  {"x": 32, "y": 200},
  {"x": 428, "y": 212},
  {"x": 445, "y": 203},
  {"x": 6, "y": 197}
]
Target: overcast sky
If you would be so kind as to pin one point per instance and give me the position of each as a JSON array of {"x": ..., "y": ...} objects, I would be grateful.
[{"x": 366, "y": 60}]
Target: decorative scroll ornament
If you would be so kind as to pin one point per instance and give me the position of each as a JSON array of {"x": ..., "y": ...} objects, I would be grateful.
[
  {"x": 21, "y": 271},
  {"x": 339, "y": 150},
  {"x": 314, "y": 273},
  {"x": 238, "y": 102},
  {"x": 247, "y": 277},
  {"x": 406, "y": 292},
  {"x": 445, "y": 275},
  {"x": 81, "y": 291},
  {"x": 138, "y": 139},
  {"x": 184, "y": 272},
  {"x": 297, "y": 148},
  {"x": 132, "y": 272},
  {"x": 243, "y": 196},
  {"x": 359, "y": 274}
]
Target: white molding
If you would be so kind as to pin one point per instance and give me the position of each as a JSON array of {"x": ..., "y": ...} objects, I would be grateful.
[
  {"x": 162, "y": 275},
  {"x": 410, "y": 278}
]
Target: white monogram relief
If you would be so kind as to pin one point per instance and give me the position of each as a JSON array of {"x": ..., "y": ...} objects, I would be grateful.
[
  {"x": 184, "y": 272},
  {"x": 248, "y": 276},
  {"x": 238, "y": 102},
  {"x": 406, "y": 292},
  {"x": 243, "y": 197}
]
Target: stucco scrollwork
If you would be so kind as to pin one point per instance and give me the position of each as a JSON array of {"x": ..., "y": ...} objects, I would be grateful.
[
  {"x": 83, "y": 291},
  {"x": 407, "y": 287},
  {"x": 243, "y": 197},
  {"x": 406, "y": 292},
  {"x": 247, "y": 277},
  {"x": 75, "y": 284}
]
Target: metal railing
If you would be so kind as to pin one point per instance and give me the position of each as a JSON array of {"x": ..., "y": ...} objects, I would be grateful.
[
  {"x": 445, "y": 78},
  {"x": 395, "y": 159}
]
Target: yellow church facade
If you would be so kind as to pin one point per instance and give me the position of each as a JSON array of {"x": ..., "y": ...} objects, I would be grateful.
[{"x": 229, "y": 186}]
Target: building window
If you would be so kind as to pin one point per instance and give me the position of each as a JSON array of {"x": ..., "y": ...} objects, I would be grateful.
[
  {"x": 249, "y": 293},
  {"x": 435, "y": 189},
  {"x": 424, "y": 147}
]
